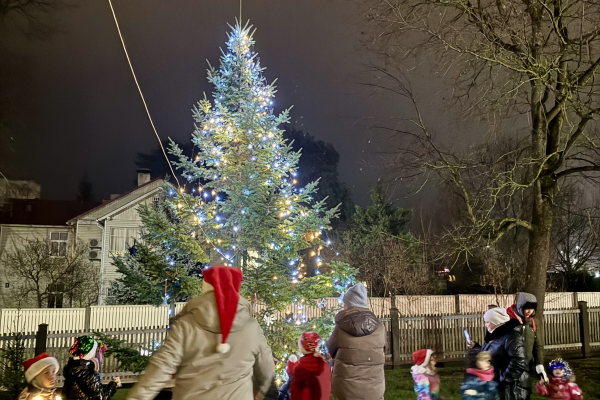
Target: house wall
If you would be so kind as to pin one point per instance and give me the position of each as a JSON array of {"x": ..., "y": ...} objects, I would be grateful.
[{"x": 13, "y": 237}]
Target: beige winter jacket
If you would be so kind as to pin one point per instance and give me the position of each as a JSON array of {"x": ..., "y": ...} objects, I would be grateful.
[
  {"x": 188, "y": 352},
  {"x": 357, "y": 345}
]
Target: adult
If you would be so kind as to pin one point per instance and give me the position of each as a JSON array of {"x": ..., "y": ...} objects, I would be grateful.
[
  {"x": 523, "y": 311},
  {"x": 505, "y": 344},
  {"x": 82, "y": 379},
  {"x": 40, "y": 374},
  {"x": 215, "y": 347},
  {"x": 357, "y": 346}
]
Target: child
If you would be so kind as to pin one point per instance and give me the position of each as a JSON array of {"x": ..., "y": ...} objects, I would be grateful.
[
  {"x": 312, "y": 374},
  {"x": 40, "y": 374},
  {"x": 427, "y": 382},
  {"x": 562, "y": 384},
  {"x": 82, "y": 380},
  {"x": 284, "y": 390},
  {"x": 479, "y": 383}
]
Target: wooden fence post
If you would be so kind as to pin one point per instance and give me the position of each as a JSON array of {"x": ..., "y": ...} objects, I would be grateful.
[
  {"x": 457, "y": 304},
  {"x": 584, "y": 329},
  {"x": 40, "y": 339},
  {"x": 394, "y": 315},
  {"x": 88, "y": 319}
]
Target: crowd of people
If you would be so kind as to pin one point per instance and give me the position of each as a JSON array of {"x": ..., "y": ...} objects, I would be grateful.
[{"x": 216, "y": 349}]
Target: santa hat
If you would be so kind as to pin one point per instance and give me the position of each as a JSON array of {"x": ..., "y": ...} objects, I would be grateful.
[
  {"x": 422, "y": 357},
  {"x": 35, "y": 366},
  {"x": 84, "y": 347},
  {"x": 308, "y": 342},
  {"x": 226, "y": 282}
]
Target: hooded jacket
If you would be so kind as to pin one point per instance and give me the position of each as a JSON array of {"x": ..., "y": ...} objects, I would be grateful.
[
  {"x": 534, "y": 351},
  {"x": 82, "y": 381},
  {"x": 479, "y": 385},
  {"x": 357, "y": 345},
  {"x": 312, "y": 379},
  {"x": 507, "y": 349},
  {"x": 188, "y": 352},
  {"x": 559, "y": 389}
]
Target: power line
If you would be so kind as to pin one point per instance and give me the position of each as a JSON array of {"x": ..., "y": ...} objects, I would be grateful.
[{"x": 140, "y": 89}]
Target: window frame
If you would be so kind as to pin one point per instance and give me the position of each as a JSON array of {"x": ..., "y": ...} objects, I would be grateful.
[
  {"x": 125, "y": 238},
  {"x": 59, "y": 241}
]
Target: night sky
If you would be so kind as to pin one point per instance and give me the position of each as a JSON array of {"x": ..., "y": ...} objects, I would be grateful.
[{"x": 76, "y": 110}]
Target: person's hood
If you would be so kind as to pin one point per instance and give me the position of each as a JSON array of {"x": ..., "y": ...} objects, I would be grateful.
[
  {"x": 483, "y": 375},
  {"x": 311, "y": 363},
  {"x": 357, "y": 322},
  {"x": 502, "y": 330},
  {"x": 525, "y": 301},
  {"x": 203, "y": 310}
]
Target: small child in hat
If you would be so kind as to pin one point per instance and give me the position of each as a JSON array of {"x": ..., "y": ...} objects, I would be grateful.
[
  {"x": 312, "y": 374},
  {"x": 427, "y": 382},
  {"x": 40, "y": 374},
  {"x": 284, "y": 390},
  {"x": 479, "y": 383},
  {"x": 82, "y": 379},
  {"x": 561, "y": 385}
]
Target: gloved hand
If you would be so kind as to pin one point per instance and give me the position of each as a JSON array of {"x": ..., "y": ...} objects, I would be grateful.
[{"x": 541, "y": 371}]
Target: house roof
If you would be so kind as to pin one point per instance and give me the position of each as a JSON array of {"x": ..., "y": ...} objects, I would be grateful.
[
  {"x": 42, "y": 212},
  {"x": 108, "y": 207}
]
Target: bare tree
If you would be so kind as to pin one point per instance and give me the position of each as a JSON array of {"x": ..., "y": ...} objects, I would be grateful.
[
  {"x": 31, "y": 16},
  {"x": 42, "y": 276},
  {"x": 533, "y": 58},
  {"x": 575, "y": 238}
]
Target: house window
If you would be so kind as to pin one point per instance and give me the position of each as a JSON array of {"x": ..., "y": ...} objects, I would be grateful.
[
  {"x": 121, "y": 239},
  {"x": 56, "y": 294},
  {"x": 58, "y": 243}
]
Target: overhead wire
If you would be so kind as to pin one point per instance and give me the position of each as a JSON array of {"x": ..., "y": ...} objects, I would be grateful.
[{"x": 140, "y": 91}]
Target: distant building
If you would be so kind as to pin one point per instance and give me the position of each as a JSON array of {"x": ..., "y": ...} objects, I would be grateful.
[
  {"x": 108, "y": 228},
  {"x": 19, "y": 189}
]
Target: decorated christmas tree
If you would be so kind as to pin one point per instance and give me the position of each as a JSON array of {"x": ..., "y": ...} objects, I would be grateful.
[
  {"x": 162, "y": 267},
  {"x": 243, "y": 198}
]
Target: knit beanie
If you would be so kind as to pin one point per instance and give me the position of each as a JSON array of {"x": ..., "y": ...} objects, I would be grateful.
[
  {"x": 497, "y": 316},
  {"x": 84, "y": 347},
  {"x": 308, "y": 342},
  {"x": 356, "y": 296},
  {"x": 226, "y": 282},
  {"x": 37, "y": 365},
  {"x": 525, "y": 301}
]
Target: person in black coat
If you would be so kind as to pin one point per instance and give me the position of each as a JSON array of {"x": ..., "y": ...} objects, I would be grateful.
[
  {"x": 82, "y": 380},
  {"x": 507, "y": 348}
]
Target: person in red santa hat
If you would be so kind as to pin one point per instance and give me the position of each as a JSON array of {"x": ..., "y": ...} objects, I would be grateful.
[
  {"x": 40, "y": 374},
  {"x": 312, "y": 375},
  {"x": 215, "y": 347}
]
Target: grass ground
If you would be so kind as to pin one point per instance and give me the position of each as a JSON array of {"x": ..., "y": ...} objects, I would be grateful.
[{"x": 399, "y": 384}]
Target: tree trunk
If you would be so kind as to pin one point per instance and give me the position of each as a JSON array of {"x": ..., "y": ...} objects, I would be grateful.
[{"x": 539, "y": 250}]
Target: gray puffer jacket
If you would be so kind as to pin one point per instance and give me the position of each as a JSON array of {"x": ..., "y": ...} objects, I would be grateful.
[
  {"x": 357, "y": 345},
  {"x": 188, "y": 352}
]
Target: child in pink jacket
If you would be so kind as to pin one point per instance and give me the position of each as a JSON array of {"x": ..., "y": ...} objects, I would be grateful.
[{"x": 562, "y": 384}]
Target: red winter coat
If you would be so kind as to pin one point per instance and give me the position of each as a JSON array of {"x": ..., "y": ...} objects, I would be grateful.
[
  {"x": 312, "y": 379},
  {"x": 559, "y": 389}
]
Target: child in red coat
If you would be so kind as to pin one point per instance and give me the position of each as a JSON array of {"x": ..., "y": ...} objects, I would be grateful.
[
  {"x": 312, "y": 374},
  {"x": 562, "y": 384}
]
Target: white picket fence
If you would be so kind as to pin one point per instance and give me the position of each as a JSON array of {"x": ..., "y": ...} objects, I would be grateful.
[{"x": 102, "y": 318}]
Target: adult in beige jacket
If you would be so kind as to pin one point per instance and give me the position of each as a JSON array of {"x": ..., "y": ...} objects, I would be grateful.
[
  {"x": 206, "y": 363},
  {"x": 357, "y": 346}
]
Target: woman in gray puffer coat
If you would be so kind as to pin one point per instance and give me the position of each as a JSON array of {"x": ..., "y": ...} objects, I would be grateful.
[{"x": 357, "y": 346}]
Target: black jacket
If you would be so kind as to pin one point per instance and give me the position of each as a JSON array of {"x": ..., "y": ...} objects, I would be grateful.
[
  {"x": 82, "y": 382},
  {"x": 507, "y": 348}
]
